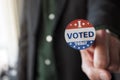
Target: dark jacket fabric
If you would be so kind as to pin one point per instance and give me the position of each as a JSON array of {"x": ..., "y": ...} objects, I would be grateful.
[{"x": 68, "y": 61}]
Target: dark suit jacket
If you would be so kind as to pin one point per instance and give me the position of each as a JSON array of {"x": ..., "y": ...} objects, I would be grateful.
[{"x": 68, "y": 62}]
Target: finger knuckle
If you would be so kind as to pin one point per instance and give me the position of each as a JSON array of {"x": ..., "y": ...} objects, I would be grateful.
[
  {"x": 89, "y": 73},
  {"x": 103, "y": 64}
]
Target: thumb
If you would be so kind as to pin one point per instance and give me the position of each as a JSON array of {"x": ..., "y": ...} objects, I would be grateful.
[{"x": 101, "y": 54}]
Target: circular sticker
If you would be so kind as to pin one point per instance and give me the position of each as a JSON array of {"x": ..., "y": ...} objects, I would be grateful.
[{"x": 80, "y": 34}]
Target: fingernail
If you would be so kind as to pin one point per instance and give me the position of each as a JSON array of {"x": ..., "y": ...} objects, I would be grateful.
[{"x": 102, "y": 77}]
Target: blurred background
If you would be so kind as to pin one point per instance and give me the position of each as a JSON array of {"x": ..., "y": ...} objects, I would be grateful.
[
  {"x": 10, "y": 14},
  {"x": 9, "y": 34}
]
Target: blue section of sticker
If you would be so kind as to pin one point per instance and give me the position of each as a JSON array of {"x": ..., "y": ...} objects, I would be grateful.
[{"x": 80, "y": 45}]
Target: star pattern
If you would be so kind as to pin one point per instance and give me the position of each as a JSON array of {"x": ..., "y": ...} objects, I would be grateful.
[
  {"x": 80, "y": 47},
  {"x": 79, "y": 23},
  {"x": 75, "y": 24}
]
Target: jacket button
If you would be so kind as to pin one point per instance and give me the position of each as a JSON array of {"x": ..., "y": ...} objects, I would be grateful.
[
  {"x": 47, "y": 62},
  {"x": 49, "y": 38},
  {"x": 51, "y": 16}
]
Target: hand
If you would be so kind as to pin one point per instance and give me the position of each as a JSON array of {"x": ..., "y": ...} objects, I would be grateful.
[{"x": 101, "y": 58}]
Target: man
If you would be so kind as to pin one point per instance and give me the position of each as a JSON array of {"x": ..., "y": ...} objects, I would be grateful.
[{"x": 44, "y": 54}]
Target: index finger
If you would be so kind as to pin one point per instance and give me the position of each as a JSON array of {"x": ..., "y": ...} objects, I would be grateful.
[{"x": 101, "y": 54}]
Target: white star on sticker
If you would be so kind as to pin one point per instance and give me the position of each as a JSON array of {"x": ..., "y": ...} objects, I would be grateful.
[
  {"x": 74, "y": 46},
  {"x": 75, "y": 24},
  {"x": 91, "y": 42},
  {"x": 83, "y": 23},
  {"x": 87, "y": 45},
  {"x": 70, "y": 43},
  {"x": 83, "y": 47}
]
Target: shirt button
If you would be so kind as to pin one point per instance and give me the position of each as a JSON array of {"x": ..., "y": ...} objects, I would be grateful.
[
  {"x": 51, "y": 16},
  {"x": 49, "y": 38},
  {"x": 47, "y": 62}
]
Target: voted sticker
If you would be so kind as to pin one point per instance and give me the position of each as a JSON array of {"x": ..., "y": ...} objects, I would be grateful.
[{"x": 80, "y": 34}]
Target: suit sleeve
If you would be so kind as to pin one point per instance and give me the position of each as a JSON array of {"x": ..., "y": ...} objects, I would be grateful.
[
  {"x": 104, "y": 14},
  {"x": 23, "y": 45},
  {"x": 22, "y": 58}
]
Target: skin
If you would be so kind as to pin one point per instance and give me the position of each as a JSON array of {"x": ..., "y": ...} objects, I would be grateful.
[{"x": 102, "y": 58}]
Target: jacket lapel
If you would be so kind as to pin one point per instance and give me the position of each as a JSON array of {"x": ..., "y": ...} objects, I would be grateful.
[
  {"x": 60, "y": 8},
  {"x": 33, "y": 13},
  {"x": 32, "y": 16}
]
